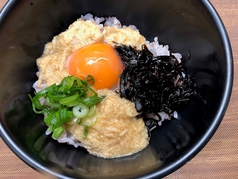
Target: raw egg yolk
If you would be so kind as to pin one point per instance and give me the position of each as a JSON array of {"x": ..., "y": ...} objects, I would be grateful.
[{"x": 99, "y": 60}]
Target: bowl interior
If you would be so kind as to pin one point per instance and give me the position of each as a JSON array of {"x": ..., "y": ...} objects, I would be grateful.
[{"x": 184, "y": 25}]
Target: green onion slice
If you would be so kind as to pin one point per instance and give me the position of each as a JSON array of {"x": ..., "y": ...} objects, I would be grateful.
[
  {"x": 92, "y": 111},
  {"x": 80, "y": 110},
  {"x": 57, "y": 132}
]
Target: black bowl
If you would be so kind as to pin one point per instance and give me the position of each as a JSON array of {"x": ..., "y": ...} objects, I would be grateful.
[{"x": 185, "y": 25}]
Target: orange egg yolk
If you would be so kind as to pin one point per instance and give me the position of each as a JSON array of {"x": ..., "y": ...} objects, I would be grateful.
[{"x": 99, "y": 60}]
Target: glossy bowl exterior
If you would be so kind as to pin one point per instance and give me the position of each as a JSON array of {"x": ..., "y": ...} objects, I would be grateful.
[{"x": 185, "y": 25}]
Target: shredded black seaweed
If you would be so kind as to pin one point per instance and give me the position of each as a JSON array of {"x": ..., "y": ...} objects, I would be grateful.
[{"x": 155, "y": 84}]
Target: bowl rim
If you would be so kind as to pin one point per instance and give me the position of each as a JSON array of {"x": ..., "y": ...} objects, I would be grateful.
[{"x": 195, "y": 149}]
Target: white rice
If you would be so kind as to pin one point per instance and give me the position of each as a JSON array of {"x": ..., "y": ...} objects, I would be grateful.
[{"x": 155, "y": 48}]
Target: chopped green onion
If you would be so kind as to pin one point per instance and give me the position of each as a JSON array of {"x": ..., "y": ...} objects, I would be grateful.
[
  {"x": 92, "y": 111},
  {"x": 53, "y": 103},
  {"x": 72, "y": 98},
  {"x": 90, "y": 80},
  {"x": 79, "y": 121},
  {"x": 53, "y": 95},
  {"x": 80, "y": 110},
  {"x": 69, "y": 99},
  {"x": 93, "y": 100},
  {"x": 89, "y": 121},
  {"x": 86, "y": 127},
  {"x": 57, "y": 132},
  {"x": 49, "y": 118}
]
